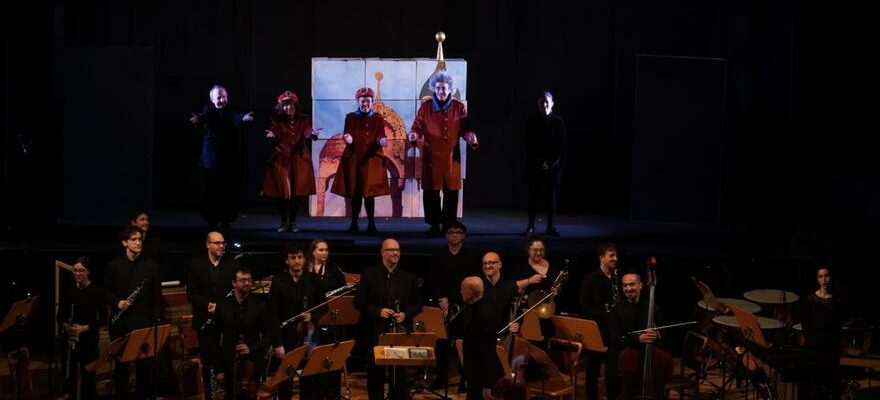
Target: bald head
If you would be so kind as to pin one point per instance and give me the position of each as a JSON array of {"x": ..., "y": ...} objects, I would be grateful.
[
  {"x": 471, "y": 289},
  {"x": 390, "y": 253}
]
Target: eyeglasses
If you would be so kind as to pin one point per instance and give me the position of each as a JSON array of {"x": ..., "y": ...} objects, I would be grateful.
[
  {"x": 218, "y": 243},
  {"x": 491, "y": 262}
]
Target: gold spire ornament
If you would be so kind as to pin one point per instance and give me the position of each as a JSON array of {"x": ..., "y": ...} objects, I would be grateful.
[{"x": 441, "y": 62}]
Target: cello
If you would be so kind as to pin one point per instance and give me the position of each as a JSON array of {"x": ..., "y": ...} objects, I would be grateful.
[{"x": 648, "y": 380}]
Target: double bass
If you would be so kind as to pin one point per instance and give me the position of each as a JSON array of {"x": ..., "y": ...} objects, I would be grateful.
[{"x": 646, "y": 370}]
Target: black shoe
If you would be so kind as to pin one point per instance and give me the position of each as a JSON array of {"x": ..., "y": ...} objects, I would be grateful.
[
  {"x": 293, "y": 228},
  {"x": 551, "y": 231},
  {"x": 435, "y": 229},
  {"x": 529, "y": 231},
  {"x": 371, "y": 229},
  {"x": 283, "y": 228},
  {"x": 353, "y": 228}
]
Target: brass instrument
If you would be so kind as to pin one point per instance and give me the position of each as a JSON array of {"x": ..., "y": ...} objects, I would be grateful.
[{"x": 546, "y": 307}]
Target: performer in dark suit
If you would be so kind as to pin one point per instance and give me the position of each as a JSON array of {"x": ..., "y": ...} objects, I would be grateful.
[
  {"x": 388, "y": 297},
  {"x": 246, "y": 328},
  {"x": 210, "y": 280},
  {"x": 545, "y": 159},
  {"x": 125, "y": 276},
  {"x": 600, "y": 292}
]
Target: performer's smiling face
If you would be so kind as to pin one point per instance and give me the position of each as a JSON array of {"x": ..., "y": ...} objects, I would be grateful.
[
  {"x": 365, "y": 104},
  {"x": 442, "y": 90},
  {"x": 218, "y": 97},
  {"x": 289, "y": 108}
]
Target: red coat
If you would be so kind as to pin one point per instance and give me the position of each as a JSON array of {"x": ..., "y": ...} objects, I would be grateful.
[
  {"x": 289, "y": 170},
  {"x": 361, "y": 169},
  {"x": 439, "y": 132}
]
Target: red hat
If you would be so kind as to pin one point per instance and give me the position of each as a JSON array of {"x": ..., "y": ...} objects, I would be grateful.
[
  {"x": 364, "y": 92},
  {"x": 288, "y": 95}
]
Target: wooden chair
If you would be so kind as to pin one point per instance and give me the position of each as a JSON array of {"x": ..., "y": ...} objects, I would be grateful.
[{"x": 692, "y": 368}]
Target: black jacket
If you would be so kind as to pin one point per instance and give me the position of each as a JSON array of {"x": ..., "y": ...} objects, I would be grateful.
[
  {"x": 201, "y": 289},
  {"x": 121, "y": 279},
  {"x": 378, "y": 289}
]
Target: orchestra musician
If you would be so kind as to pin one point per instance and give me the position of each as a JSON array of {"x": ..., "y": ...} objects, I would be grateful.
[
  {"x": 599, "y": 293},
  {"x": 387, "y": 296},
  {"x": 124, "y": 275},
  {"x": 293, "y": 291},
  {"x": 449, "y": 266},
  {"x": 83, "y": 309},
  {"x": 210, "y": 280},
  {"x": 330, "y": 276},
  {"x": 246, "y": 332}
]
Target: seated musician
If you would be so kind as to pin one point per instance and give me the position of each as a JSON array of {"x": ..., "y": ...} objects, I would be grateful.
[
  {"x": 631, "y": 314},
  {"x": 387, "y": 298},
  {"x": 246, "y": 332},
  {"x": 293, "y": 291},
  {"x": 82, "y": 310}
]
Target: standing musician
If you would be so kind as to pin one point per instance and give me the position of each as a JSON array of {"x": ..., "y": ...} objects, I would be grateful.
[
  {"x": 329, "y": 277},
  {"x": 210, "y": 280},
  {"x": 449, "y": 266},
  {"x": 499, "y": 290},
  {"x": 124, "y": 275},
  {"x": 387, "y": 298},
  {"x": 246, "y": 332},
  {"x": 599, "y": 294},
  {"x": 293, "y": 291},
  {"x": 481, "y": 320},
  {"x": 83, "y": 310},
  {"x": 631, "y": 314}
]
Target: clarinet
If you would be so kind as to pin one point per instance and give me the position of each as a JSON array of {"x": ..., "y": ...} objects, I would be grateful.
[
  {"x": 135, "y": 294},
  {"x": 395, "y": 326},
  {"x": 210, "y": 320}
]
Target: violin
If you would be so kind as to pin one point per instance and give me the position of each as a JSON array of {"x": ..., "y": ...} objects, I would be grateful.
[
  {"x": 646, "y": 369},
  {"x": 245, "y": 383}
]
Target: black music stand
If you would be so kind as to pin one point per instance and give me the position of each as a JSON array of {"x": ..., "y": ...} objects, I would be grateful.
[
  {"x": 340, "y": 313},
  {"x": 17, "y": 317},
  {"x": 325, "y": 359}
]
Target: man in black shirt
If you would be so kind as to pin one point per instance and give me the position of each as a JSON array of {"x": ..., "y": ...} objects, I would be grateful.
[
  {"x": 294, "y": 291},
  {"x": 387, "y": 297},
  {"x": 247, "y": 331},
  {"x": 631, "y": 314},
  {"x": 449, "y": 266},
  {"x": 125, "y": 276},
  {"x": 599, "y": 294},
  {"x": 481, "y": 322},
  {"x": 210, "y": 280}
]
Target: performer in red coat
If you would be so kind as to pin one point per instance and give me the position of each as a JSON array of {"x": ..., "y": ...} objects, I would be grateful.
[
  {"x": 361, "y": 174},
  {"x": 289, "y": 175},
  {"x": 438, "y": 125}
]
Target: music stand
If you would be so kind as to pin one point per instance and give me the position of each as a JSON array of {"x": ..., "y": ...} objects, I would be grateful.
[
  {"x": 327, "y": 358},
  {"x": 18, "y": 313},
  {"x": 287, "y": 369},
  {"x": 340, "y": 312},
  {"x": 145, "y": 342},
  {"x": 431, "y": 320},
  {"x": 750, "y": 327},
  {"x": 583, "y": 331},
  {"x": 421, "y": 340}
]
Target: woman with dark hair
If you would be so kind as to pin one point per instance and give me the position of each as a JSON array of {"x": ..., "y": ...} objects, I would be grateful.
[
  {"x": 329, "y": 274},
  {"x": 822, "y": 320},
  {"x": 82, "y": 310},
  {"x": 289, "y": 175}
]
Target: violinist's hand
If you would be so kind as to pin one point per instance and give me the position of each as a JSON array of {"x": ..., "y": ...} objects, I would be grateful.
[
  {"x": 648, "y": 337},
  {"x": 399, "y": 317},
  {"x": 444, "y": 305},
  {"x": 242, "y": 348},
  {"x": 386, "y": 313},
  {"x": 514, "y": 327},
  {"x": 307, "y": 317},
  {"x": 221, "y": 378},
  {"x": 536, "y": 279},
  {"x": 279, "y": 352},
  {"x": 347, "y": 138}
]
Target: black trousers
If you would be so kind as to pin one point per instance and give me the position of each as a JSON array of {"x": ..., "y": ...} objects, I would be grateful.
[
  {"x": 208, "y": 341},
  {"x": 542, "y": 189},
  {"x": 434, "y": 215},
  {"x": 612, "y": 374},
  {"x": 219, "y": 196},
  {"x": 85, "y": 352}
]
